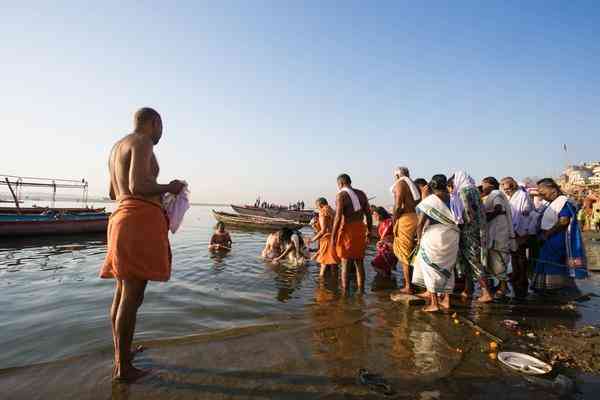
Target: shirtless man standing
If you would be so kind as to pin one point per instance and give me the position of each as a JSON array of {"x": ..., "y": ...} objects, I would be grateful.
[
  {"x": 138, "y": 245},
  {"x": 350, "y": 235},
  {"x": 406, "y": 195}
]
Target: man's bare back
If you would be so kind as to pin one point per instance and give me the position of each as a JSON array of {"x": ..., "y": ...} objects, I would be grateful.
[
  {"x": 404, "y": 203},
  {"x": 348, "y": 209},
  {"x": 133, "y": 169}
]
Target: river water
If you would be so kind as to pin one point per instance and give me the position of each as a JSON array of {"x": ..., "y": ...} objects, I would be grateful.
[{"x": 235, "y": 326}]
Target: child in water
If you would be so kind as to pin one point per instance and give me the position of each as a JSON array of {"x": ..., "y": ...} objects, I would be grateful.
[{"x": 220, "y": 240}]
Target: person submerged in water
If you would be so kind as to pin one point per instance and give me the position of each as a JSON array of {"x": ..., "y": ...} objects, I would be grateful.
[
  {"x": 292, "y": 247},
  {"x": 272, "y": 248},
  {"x": 220, "y": 240}
]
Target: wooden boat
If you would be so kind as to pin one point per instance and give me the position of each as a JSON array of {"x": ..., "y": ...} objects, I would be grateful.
[
  {"x": 255, "y": 222},
  {"x": 13, "y": 225},
  {"x": 303, "y": 216},
  {"x": 40, "y": 210}
]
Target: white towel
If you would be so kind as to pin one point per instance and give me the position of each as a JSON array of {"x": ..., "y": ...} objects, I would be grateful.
[
  {"x": 176, "y": 207},
  {"x": 414, "y": 190},
  {"x": 550, "y": 217},
  {"x": 355, "y": 201}
]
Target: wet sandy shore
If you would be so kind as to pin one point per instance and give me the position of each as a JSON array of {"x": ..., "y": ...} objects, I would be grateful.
[{"x": 424, "y": 358}]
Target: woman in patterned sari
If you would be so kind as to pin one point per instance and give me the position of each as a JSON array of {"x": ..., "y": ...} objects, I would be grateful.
[
  {"x": 468, "y": 210},
  {"x": 562, "y": 257},
  {"x": 438, "y": 235}
]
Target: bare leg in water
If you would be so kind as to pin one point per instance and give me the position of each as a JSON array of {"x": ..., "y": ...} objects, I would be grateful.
[
  {"x": 445, "y": 303},
  {"x": 434, "y": 305},
  {"x": 468, "y": 291},
  {"x": 360, "y": 275},
  {"x": 486, "y": 296},
  {"x": 113, "y": 317},
  {"x": 407, "y": 289},
  {"x": 131, "y": 297},
  {"x": 344, "y": 264},
  {"x": 425, "y": 295}
]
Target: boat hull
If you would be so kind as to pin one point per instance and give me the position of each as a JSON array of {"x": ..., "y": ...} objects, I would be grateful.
[
  {"x": 39, "y": 210},
  {"x": 255, "y": 222},
  {"x": 23, "y": 225},
  {"x": 303, "y": 216}
]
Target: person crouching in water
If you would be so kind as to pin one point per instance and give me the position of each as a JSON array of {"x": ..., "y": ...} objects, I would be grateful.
[
  {"x": 220, "y": 240},
  {"x": 292, "y": 247},
  {"x": 326, "y": 255},
  {"x": 385, "y": 260}
]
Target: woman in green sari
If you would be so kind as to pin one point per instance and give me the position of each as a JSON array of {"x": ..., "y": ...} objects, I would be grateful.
[{"x": 468, "y": 210}]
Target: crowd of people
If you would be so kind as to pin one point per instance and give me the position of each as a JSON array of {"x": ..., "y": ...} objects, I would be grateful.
[
  {"x": 297, "y": 206},
  {"x": 446, "y": 234},
  {"x": 449, "y": 235}
]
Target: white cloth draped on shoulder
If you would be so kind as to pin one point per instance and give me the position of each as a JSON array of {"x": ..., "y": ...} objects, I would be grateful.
[
  {"x": 414, "y": 190},
  {"x": 353, "y": 197},
  {"x": 501, "y": 235},
  {"x": 521, "y": 206},
  {"x": 438, "y": 248},
  {"x": 550, "y": 217}
]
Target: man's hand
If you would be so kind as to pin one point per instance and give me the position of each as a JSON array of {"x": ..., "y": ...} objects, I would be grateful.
[{"x": 175, "y": 187}]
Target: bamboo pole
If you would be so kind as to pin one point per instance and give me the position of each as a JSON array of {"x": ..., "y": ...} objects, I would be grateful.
[{"x": 14, "y": 196}]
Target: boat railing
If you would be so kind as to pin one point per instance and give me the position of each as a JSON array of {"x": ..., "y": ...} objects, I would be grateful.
[{"x": 16, "y": 184}]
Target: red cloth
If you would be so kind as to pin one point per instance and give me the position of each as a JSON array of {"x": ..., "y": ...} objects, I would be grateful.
[{"x": 385, "y": 259}]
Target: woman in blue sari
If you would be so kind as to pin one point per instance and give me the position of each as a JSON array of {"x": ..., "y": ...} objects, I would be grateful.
[{"x": 562, "y": 257}]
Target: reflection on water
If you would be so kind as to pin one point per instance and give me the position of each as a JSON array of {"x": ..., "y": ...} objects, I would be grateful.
[{"x": 57, "y": 307}]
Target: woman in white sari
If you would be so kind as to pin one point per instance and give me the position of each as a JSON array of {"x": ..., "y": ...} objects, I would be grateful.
[{"x": 438, "y": 236}]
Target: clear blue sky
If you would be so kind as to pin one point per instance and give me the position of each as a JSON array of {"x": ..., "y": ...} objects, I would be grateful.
[{"x": 277, "y": 98}]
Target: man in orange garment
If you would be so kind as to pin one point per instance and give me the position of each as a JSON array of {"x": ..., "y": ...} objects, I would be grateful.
[
  {"x": 350, "y": 235},
  {"x": 138, "y": 243}
]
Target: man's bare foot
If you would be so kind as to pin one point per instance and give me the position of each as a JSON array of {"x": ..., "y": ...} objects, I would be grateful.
[
  {"x": 425, "y": 295},
  {"x": 406, "y": 290},
  {"x": 485, "y": 298},
  {"x": 445, "y": 303},
  {"x": 128, "y": 374},
  {"x": 431, "y": 308}
]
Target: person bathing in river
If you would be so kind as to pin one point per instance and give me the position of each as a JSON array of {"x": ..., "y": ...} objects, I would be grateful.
[
  {"x": 220, "y": 240},
  {"x": 350, "y": 233},
  {"x": 272, "y": 248},
  {"x": 326, "y": 256},
  {"x": 385, "y": 260},
  {"x": 292, "y": 247}
]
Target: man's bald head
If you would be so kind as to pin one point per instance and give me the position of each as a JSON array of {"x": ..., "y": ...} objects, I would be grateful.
[{"x": 148, "y": 121}]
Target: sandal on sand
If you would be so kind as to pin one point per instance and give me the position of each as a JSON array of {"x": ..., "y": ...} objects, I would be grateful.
[{"x": 375, "y": 382}]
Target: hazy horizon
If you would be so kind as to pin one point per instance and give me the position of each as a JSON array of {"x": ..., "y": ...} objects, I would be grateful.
[{"x": 276, "y": 99}]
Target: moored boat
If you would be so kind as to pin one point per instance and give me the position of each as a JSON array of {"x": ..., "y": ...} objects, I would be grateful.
[
  {"x": 302, "y": 216},
  {"x": 40, "y": 210},
  {"x": 255, "y": 222},
  {"x": 13, "y": 225}
]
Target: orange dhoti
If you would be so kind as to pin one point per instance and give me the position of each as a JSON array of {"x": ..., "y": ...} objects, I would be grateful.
[
  {"x": 352, "y": 241},
  {"x": 138, "y": 242},
  {"x": 326, "y": 254}
]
